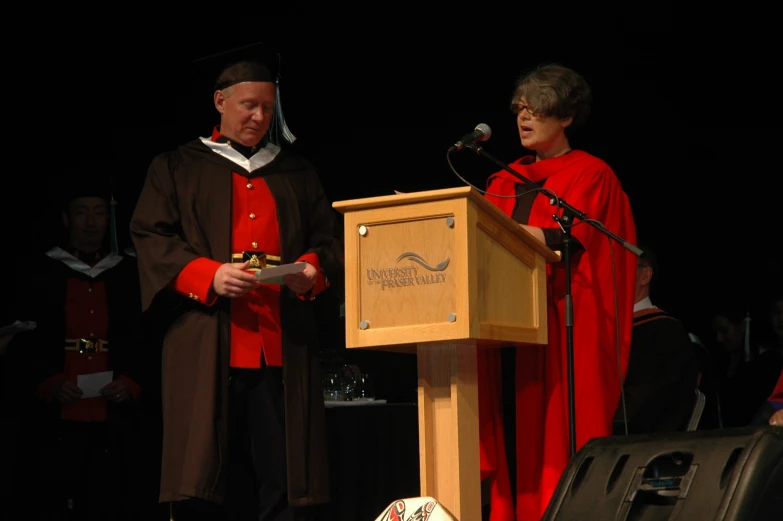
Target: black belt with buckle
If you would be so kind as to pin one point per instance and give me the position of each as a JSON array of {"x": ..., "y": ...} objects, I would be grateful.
[
  {"x": 86, "y": 345},
  {"x": 258, "y": 259}
]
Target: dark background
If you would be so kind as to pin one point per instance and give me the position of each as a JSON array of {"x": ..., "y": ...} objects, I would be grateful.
[{"x": 688, "y": 122}]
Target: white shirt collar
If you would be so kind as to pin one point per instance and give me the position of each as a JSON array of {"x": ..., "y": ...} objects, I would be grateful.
[
  {"x": 75, "y": 264},
  {"x": 261, "y": 158},
  {"x": 645, "y": 303}
]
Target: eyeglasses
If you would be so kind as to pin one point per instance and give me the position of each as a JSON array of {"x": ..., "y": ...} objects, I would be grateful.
[{"x": 527, "y": 108}]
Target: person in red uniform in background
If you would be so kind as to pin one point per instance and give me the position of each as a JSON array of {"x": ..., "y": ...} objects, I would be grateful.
[
  {"x": 776, "y": 401},
  {"x": 776, "y": 398},
  {"x": 550, "y": 103},
  {"x": 244, "y": 433},
  {"x": 84, "y": 300}
]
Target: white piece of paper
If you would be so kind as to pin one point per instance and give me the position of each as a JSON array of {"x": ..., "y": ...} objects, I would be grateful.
[
  {"x": 17, "y": 327},
  {"x": 275, "y": 274},
  {"x": 8, "y": 332},
  {"x": 91, "y": 383}
]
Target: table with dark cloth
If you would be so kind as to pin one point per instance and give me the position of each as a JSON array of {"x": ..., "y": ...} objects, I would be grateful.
[{"x": 374, "y": 458}]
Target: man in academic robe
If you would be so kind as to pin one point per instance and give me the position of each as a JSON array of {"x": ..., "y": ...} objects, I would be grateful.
[
  {"x": 84, "y": 300},
  {"x": 663, "y": 370},
  {"x": 550, "y": 103},
  {"x": 242, "y": 385}
]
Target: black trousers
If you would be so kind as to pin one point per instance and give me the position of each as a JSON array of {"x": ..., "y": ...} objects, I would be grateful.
[
  {"x": 257, "y": 483},
  {"x": 256, "y": 479},
  {"x": 84, "y": 475}
]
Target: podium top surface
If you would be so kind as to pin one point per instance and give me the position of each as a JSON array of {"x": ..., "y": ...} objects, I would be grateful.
[
  {"x": 461, "y": 192},
  {"x": 407, "y": 198}
]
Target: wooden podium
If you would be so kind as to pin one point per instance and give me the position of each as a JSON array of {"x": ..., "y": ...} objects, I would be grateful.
[{"x": 443, "y": 273}]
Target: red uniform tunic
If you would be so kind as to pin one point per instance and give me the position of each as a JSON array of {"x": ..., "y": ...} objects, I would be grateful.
[
  {"x": 86, "y": 317},
  {"x": 255, "y": 317}
]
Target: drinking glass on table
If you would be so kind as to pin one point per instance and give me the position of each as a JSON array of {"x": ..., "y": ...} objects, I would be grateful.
[
  {"x": 333, "y": 388},
  {"x": 365, "y": 388}
]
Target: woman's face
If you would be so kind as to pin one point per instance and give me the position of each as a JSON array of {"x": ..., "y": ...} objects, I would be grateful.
[{"x": 538, "y": 132}]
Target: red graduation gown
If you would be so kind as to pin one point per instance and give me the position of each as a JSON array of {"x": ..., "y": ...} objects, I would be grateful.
[{"x": 542, "y": 444}]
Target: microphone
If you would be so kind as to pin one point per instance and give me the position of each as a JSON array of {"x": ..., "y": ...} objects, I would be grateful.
[{"x": 480, "y": 133}]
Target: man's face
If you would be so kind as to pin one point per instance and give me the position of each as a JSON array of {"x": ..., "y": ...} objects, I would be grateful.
[
  {"x": 87, "y": 220},
  {"x": 643, "y": 276},
  {"x": 728, "y": 336},
  {"x": 246, "y": 111}
]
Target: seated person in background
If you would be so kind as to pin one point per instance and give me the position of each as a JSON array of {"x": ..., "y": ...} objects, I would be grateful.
[
  {"x": 747, "y": 378},
  {"x": 662, "y": 370},
  {"x": 771, "y": 411},
  {"x": 776, "y": 402},
  {"x": 769, "y": 362}
]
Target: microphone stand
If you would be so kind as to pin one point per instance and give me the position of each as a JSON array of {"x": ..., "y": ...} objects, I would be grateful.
[{"x": 565, "y": 222}]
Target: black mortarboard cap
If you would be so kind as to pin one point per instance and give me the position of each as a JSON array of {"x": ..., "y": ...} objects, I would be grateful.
[
  {"x": 86, "y": 179},
  {"x": 252, "y": 62}
]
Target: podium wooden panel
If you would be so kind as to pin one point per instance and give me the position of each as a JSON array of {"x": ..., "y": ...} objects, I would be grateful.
[{"x": 443, "y": 273}]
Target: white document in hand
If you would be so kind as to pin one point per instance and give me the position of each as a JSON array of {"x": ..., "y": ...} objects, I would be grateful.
[
  {"x": 17, "y": 327},
  {"x": 275, "y": 274},
  {"x": 91, "y": 383},
  {"x": 8, "y": 332}
]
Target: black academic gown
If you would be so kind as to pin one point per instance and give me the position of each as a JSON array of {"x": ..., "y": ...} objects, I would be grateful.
[
  {"x": 39, "y": 354},
  {"x": 662, "y": 375},
  {"x": 42, "y": 299},
  {"x": 183, "y": 213}
]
